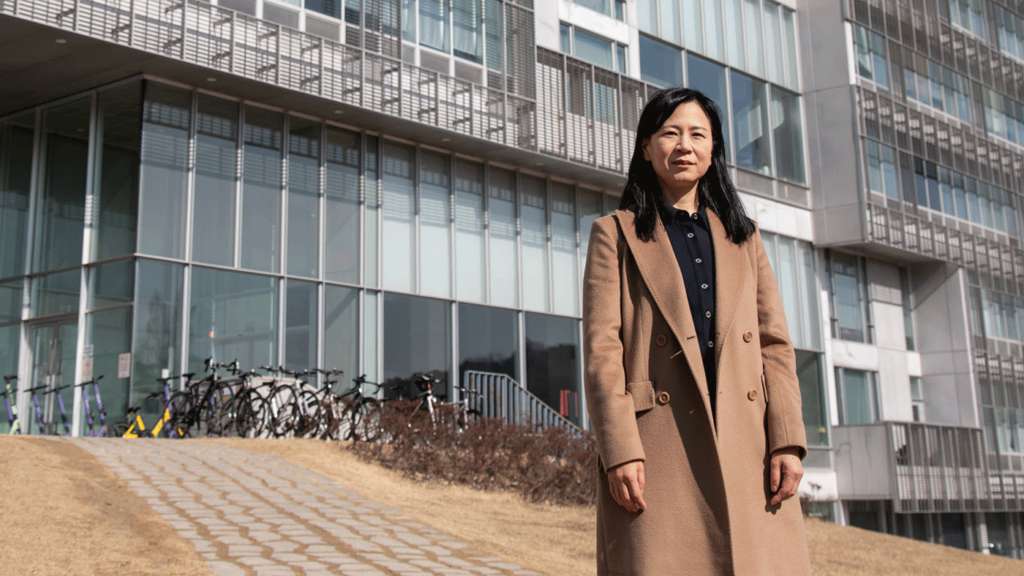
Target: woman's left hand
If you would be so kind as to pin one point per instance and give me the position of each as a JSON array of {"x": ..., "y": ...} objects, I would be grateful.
[{"x": 786, "y": 474}]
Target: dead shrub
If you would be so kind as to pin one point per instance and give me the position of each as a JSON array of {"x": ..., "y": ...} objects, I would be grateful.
[{"x": 549, "y": 465}]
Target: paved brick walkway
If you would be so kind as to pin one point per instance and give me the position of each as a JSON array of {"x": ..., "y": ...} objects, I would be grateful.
[{"x": 256, "y": 514}]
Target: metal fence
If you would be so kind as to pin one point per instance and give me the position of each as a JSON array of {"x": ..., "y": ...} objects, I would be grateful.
[{"x": 498, "y": 396}]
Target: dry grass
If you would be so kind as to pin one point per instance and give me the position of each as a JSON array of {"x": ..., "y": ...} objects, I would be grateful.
[{"x": 63, "y": 512}]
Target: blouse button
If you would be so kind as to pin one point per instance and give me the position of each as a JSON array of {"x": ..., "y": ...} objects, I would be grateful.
[
  {"x": 711, "y": 343},
  {"x": 704, "y": 286},
  {"x": 661, "y": 340},
  {"x": 707, "y": 314},
  {"x": 689, "y": 234},
  {"x": 699, "y": 260}
]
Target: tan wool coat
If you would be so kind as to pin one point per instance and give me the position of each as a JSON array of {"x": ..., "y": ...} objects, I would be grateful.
[{"x": 707, "y": 487}]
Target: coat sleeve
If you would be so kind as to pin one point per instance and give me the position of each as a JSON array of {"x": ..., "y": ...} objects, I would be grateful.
[
  {"x": 611, "y": 409},
  {"x": 782, "y": 388}
]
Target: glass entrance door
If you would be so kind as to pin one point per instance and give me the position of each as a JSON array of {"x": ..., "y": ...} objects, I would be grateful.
[{"x": 53, "y": 365}]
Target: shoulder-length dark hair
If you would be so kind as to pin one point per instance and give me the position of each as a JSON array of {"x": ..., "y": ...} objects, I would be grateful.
[{"x": 715, "y": 191}]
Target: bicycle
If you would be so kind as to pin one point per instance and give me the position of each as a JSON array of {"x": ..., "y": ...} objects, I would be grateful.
[
  {"x": 290, "y": 413},
  {"x": 362, "y": 412},
  {"x": 12, "y": 407},
  {"x": 135, "y": 427},
  {"x": 102, "y": 413},
  {"x": 193, "y": 407}
]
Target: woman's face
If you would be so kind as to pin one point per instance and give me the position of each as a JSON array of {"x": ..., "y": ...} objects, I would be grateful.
[{"x": 680, "y": 150}]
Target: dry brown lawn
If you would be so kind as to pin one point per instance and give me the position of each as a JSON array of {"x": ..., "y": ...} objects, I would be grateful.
[{"x": 65, "y": 513}]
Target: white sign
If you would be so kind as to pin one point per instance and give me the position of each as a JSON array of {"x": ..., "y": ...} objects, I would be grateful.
[
  {"x": 87, "y": 352},
  {"x": 124, "y": 365},
  {"x": 86, "y": 369}
]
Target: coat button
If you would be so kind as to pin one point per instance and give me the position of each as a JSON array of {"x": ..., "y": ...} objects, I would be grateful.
[
  {"x": 663, "y": 398},
  {"x": 752, "y": 395},
  {"x": 661, "y": 340},
  {"x": 747, "y": 336}
]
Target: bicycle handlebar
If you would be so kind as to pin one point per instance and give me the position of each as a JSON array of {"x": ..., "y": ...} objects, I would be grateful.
[
  {"x": 10, "y": 377},
  {"x": 94, "y": 380}
]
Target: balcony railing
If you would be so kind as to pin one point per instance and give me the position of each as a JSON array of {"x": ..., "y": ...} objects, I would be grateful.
[{"x": 922, "y": 468}]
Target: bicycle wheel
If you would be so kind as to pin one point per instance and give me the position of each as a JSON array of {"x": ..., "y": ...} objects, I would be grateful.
[
  {"x": 284, "y": 411},
  {"x": 310, "y": 422},
  {"x": 364, "y": 420},
  {"x": 221, "y": 410},
  {"x": 252, "y": 417},
  {"x": 118, "y": 430},
  {"x": 180, "y": 407}
]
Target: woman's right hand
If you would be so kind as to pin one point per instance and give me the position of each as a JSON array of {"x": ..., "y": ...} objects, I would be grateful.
[{"x": 626, "y": 483}]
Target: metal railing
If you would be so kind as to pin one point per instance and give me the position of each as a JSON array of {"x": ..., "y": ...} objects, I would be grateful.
[
  {"x": 922, "y": 468},
  {"x": 498, "y": 396}
]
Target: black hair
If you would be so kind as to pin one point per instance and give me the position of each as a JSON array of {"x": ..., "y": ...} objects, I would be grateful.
[{"x": 642, "y": 194}]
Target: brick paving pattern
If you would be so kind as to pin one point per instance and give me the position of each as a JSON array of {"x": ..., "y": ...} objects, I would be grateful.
[{"x": 256, "y": 514}]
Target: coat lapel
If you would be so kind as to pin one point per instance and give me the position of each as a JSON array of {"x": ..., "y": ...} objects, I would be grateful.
[
  {"x": 660, "y": 271},
  {"x": 732, "y": 269}
]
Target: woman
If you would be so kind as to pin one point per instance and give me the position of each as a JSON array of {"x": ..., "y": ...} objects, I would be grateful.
[{"x": 690, "y": 376}]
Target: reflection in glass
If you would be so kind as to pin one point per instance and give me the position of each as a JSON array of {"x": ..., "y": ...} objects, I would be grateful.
[
  {"x": 734, "y": 32},
  {"x": 303, "y": 197},
  {"x": 10, "y": 302},
  {"x": 469, "y": 231},
  {"x": 159, "y": 295},
  {"x": 435, "y": 224},
  {"x": 109, "y": 333},
  {"x": 713, "y": 29},
  {"x": 261, "y": 190},
  {"x": 789, "y": 48},
  {"x": 466, "y": 29},
  {"x": 434, "y": 24},
  {"x": 213, "y": 204},
  {"x": 750, "y": 111},
  {"x": 773, "y": 43},
  {"x": 373, "y": 198},
  {"x": 857, "y": 397},
  {"x": 494, "y": 27},
  {"x": 552, "y": 362},
  {"x": 417, "y": 340},
  {"x": 300, "y": 332},
  {"x": 115, "y": 206},
  {"x": 111, "y": 284},
  {"x": 371, "y": 335},
  {"x": 488, "y": 341},
  {"x": 16, "y": 141},
  {"x": 341, "y": 333},
  {"x": 787, "y": 129},
  {"x": 504, "y": 256},
  {"x": 849, "y": 306},
  {"x": 341, "y": 187},
  {"x": 165, "y": 149},
  {"x": 753, "y": 40},
  {"x": 809, "y": 372},
  {"x": 565, "y": 282},
  {"x": 660, "y": 63},
  {"x": 709, "y": 78},
  {"x": 56, "y": 293},
  {"x": 233, "y": 317},
  {"x": 399, "y": 205},
  {"x": 533, "y": 215},
  {"x": 65, "y": 152}
]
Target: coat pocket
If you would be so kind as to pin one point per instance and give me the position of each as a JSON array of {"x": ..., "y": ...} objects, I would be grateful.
[
  {"x": 764, "y": 388},
  {"x": 642, "y": 393}
]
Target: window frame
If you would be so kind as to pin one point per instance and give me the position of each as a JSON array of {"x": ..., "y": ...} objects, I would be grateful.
[
  {"x": 863, "y": 294},
  {"x": 874, "y": 403}
]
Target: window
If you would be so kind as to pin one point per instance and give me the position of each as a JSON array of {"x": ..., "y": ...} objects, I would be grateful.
[
  {"x": 660, "y": 63},
  {"x": 793, "y": 263},
  {"x": 614, "y": 8},
  {"x": 882, "y": 171},
  {"x": 16, "y": 137},
  {"x": 660, "y": 18},
  {"x": 871, "y": 56},
  {"x": 553, "y": 362},
  {"x": 750, "y": 114},
  {"x": 1004, "y": 116},
  {"x": 303, "y": 214},
  {"x": 594, "y": 49},
  {"x": 213, "y": 203},
  {"x": 850, "y": 319},
  {"x": 857, "y": 395},
  {"x": 939, "y": 87},
  {"x": 163, "y": 179},
  {"x": 964, "y": 197},
  {"x": 261, "y": 189},
  {"x": 1010, "y": 31},
  {"x": 917, "y": 398},
  {"x": 969, "y": 15},
  {"x": 468, "y": 29},
  {"x": 787, "y": 131},
  {"x": 908, "y": 309},
  {"x": 709, "y": 78},
  {"x": 812, "y": 397},
  {"x": 417, "y": 340}
]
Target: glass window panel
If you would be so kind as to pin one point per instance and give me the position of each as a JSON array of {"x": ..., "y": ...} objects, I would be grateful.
[
  {"x": 156, "y": 339},
  {"x": 602, "y": 6},
  {"x": 493, "y": 27},
  {"x": 692, "y": 30},
  {"x": 535, "y": 245},
  {"x": 373, "y": 212},
  {"x": 470, "y": 245},
  {"x": 10, "y": 301},
  {"x": 553, "y": 362},
  {"x": 399, "y": 205},
  {"x": 809, "y": 296},
  {"x": 341, "y": 187},
  {"x": 563, "y": 250},
  {"x": 709, "y": 78},
  {"x": 593, "y": 49},
  {"x": 874, "y": 167},
  {"x": 750, "y": 112},
  {"x": 503, "y": 258},
  {"x": 61, "y": 209},
  {"x": 773, "y": 43},
  {"x": 734, "y": 32},
  {"x": 787, "y": 130},
  {"x": 890, "y": 178},
  {"x": 408, "y": 17},
  {"x": 213, "y": 204},
  {"x": 109, "y": 332},
  {"x": 435, "y": 224},
  {"x": 812, "y": 397},
  {"x": 111, "y": 284},
  {"x": 660, "y": 63},
  {"x": 233, "y": 316},
  {"x": 261, "y": 190},
  {"x": 620, "y": 59},
  {"x": 647, "y": 16},
  {"x": 417, "y": 340},
  {"x": 565, "y": 37},
  {"x": 56, "y": 293},
  {"x": 16, "y": 143},
  {"x": 329, "y": 7},
  {"x": 341, "y": 333},
  {"x": 859, "y": 397},
  {"x": 713, "y": 41},
  {"x": 849, "y": 307},
  {"x": 115, "y": 198},
  {"x": 789, "y": 49},
  {"x": 668, "y": 17},
  {"x": 10, "y": 342},
  {"x": 434, "y": 24},
  {"x": 371, "y": 335},
  {"x": 787, "y": 279},
  {"x": 303, "y": 197},
  {"x": 754, "y": 40},
  {"x": 165, "y": 163},
  {"x": 467, "y": 23},
  {"x": 300, "y": 330},
  {"x": 488, "y": 341}
]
